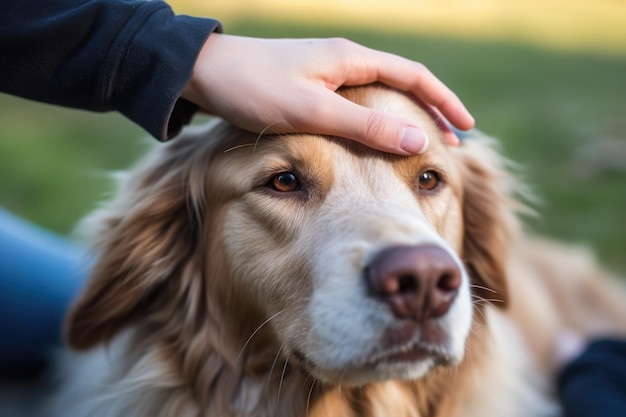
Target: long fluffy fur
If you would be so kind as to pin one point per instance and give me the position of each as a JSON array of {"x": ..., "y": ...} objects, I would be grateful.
[{"x": 167, "y": 329}]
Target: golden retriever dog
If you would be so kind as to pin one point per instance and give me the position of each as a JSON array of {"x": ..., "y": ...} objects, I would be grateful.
[{"x": 302, "y": 275}]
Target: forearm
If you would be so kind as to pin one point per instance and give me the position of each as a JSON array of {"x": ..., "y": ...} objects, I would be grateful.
[{"x": 134, "y": 57}]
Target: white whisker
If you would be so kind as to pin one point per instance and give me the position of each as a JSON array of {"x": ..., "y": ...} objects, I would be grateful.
[
  {"x": 258, "y": 138},
  {"x": 486, "y": 300},
  {"x": 255, "y": 332},
  {"x": 308, "y": 398},
  {"x": 483, "y": 288},
  {"x": 232, "y": 148},
  {"x": 280, "y": 384},
  {"x": 482, "y": 314},
  {"x": 269, "y": 377}
]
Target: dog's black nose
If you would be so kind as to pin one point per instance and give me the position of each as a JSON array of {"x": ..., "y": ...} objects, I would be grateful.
[{"x": 418, "y": 282}]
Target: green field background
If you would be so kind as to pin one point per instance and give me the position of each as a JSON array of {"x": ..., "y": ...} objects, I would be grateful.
[{"x": 558, "y": 108}]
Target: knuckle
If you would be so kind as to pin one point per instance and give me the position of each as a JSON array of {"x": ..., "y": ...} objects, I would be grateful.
[
  {"x": 421, "y": 68},
  {"x": 375, "y": 127},
  {"x": 421, "y": 74},
  {"x": 340, "y": 44},
  {"x": 339, "y": 41}
]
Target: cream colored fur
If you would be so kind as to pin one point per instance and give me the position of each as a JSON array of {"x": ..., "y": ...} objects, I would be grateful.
[{"x": 217, "y": 296}]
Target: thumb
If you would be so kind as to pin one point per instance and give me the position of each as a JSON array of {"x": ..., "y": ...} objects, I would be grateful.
[
  {"x": 390, "y": 133},
  {"x": 374, "y": 128}
]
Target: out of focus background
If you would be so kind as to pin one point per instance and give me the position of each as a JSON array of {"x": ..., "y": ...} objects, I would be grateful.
[{"x": 547, "y": 77}]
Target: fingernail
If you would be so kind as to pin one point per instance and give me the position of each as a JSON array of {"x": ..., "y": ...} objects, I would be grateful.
[{"x": 414, "y": 140}]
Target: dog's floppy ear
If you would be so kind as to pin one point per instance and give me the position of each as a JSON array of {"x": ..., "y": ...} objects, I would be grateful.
[
  {"x": 145, "y": 241},
  {"x": 489, "y": 214}
]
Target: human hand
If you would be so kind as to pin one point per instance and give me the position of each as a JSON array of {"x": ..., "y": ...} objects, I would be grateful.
[{"x": 288, "y": 85}]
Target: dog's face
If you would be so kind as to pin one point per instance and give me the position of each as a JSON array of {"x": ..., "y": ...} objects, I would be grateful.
[
  {"x": 359, "y": 264},
  {"x": 353, "y": 253}
]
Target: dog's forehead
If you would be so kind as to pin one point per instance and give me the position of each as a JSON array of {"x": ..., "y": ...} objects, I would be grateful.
[{"x": 263, "y": 155}]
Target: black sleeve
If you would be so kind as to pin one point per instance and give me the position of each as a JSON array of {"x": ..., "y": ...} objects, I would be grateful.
[
  {"x": 594, "y": 384},
  {"x": 131, "y": 56}
]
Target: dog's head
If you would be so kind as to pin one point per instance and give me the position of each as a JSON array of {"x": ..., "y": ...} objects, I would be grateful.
[{"x": 356, "y": 265}]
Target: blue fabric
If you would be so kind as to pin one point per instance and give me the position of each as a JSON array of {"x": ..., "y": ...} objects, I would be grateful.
[
  {"x": 131, "y": 56},
  {"x": 594, "y": 384},
  {"x": 40, "y": 273},
  {"x": 461, "y": 134}
]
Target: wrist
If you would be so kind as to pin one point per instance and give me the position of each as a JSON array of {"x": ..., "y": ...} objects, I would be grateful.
[{"x": 197, "y": 87}]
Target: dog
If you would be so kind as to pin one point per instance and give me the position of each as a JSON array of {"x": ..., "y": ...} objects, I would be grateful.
[{"x": 303, "y": 275}]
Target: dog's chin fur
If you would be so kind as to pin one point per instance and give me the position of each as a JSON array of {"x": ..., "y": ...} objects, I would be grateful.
[{"x": 216, "y": 295}]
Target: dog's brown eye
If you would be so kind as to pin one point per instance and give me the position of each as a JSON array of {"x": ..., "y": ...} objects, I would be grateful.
[
  {"x": 284, "y": 182},
  {"x": 428, "y": 180}
]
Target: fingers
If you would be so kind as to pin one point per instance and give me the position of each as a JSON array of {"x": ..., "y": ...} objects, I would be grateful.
[
  {"x": 448, "y": 135},
  {"x": 310, "y": 71},
  {"x": 410, "y": 76},
  {"x": 373, "y": 128}
]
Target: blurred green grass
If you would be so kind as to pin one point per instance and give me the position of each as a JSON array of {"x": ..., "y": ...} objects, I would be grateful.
[{"x": 545, "y": 105}]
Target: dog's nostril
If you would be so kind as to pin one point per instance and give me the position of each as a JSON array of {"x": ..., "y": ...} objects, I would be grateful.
[
  {"x": 407, "y": 283},
  {"x": 417, "y": 282},
  {"x": 449, "y": 282}
]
